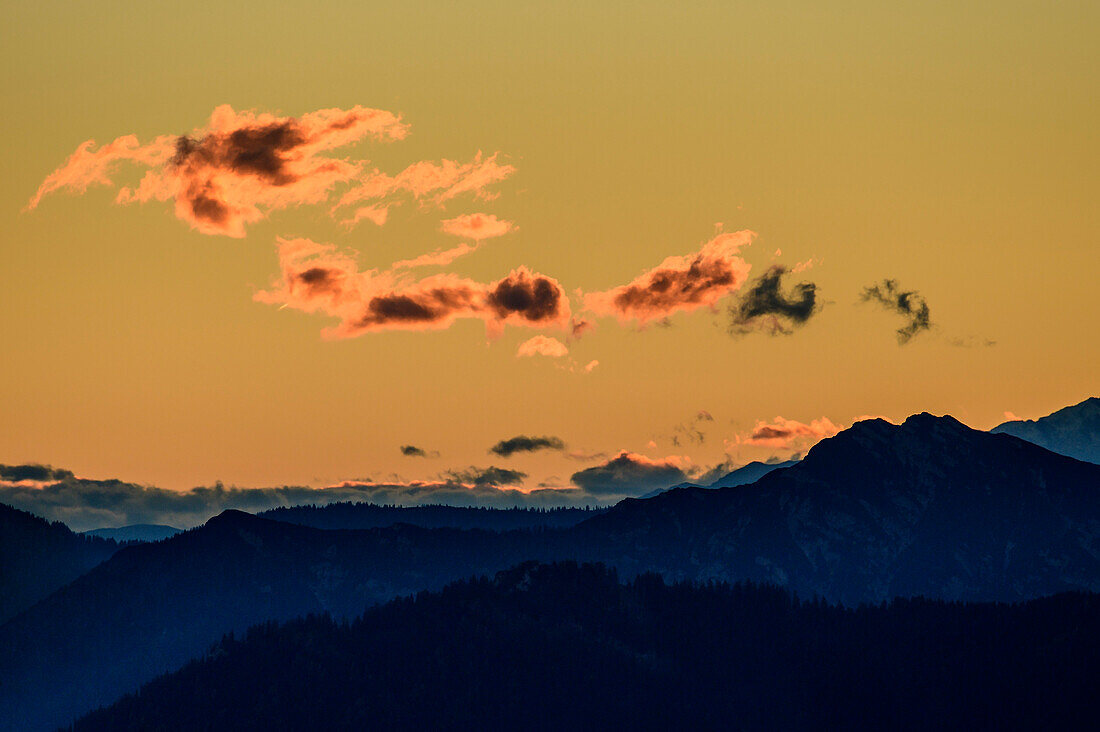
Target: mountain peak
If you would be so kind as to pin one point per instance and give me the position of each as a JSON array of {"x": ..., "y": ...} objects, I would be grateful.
[
  {"x": 925, "y": 420},
  {"x": 231, "y": 518}
]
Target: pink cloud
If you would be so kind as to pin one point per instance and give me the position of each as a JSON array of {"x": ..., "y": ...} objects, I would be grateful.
[
  {"x": 784, "y": 432},
  {"x": 89, "y": 166},
  {"x": 438, "y": 258},
  {"x": 542, "y": 345},
  {"x": 683, "y": 283},
  {"x": 375, "y": 213},
  {"x": 319, "y": 278},
  {"x": 429, "y": 182},
  {"x": 477, "y": 226},
  {"x": 238, "y": 168}
]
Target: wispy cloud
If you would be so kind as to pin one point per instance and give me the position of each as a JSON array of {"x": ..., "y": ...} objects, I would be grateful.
[
  {"x": 907, "y": 303},
  {"x": 477, "y": 226},
  {"x": 784, "y": 432},
  {"x": 692, "y": 430},
  {"x": 429, "y": 183},
  {"x": 438, "y": 258}
]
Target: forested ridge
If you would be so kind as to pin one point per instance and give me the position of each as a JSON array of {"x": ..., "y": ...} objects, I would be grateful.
[
  {"x": 37, "y": 557},
  {"x": 349, "y": 515},
  {"x": 561, "y": 646}
]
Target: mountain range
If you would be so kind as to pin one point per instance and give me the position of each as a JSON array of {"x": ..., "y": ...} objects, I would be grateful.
[
  {"x": 927, "y": 508},
  {"x": 135, "y": 532},
  {"x": 746, "y": 474}
]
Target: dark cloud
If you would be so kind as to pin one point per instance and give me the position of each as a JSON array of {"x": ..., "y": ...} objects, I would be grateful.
[
  {"x": 261, "y": 151},
  {"x": 414, "y": 451},
  {"x": 433, "y": 305},
  {"x": 679, "y": 283},
  {"x": 706, "y": 476},
  {"x": 629, "y": 474},
  {"x": 907, "y": 303},
  {"x": 487, "y": 477},
  {"x": 530, "y": 297},
  {"x": 33, "y": 471},
  {"x": 523, "y": 443},
  {"x": 764, "y": 307}
]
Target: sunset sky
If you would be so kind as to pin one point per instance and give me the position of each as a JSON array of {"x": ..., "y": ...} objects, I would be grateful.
[{"x": 441, "y": 226}]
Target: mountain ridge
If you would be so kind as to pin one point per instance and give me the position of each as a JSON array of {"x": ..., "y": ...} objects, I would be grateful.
[
  {"x": 1073, "y": 431},
  {"x": 38, "y": 557}
]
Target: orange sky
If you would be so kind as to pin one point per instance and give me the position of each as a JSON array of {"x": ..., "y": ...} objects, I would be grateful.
[{"x": 448, "y": 226}]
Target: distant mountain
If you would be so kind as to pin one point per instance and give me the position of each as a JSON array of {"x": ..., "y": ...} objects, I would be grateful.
[
  {"x": 136, "y": 532},
  {"x": 37, "y": 557},
  {"x": 1073, "y": 431},
  {"x": 750, "y": 473},
  {"x": 568, "y": 647},
  {"x": 930, "y": 507},
  {"x": 659, "y": 491},
  {"x": 347, "y": 515},
  {"x": 744, "y": 475}
]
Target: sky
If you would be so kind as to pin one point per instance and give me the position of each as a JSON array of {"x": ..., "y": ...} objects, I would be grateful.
[{"x": 359, "y": 244}]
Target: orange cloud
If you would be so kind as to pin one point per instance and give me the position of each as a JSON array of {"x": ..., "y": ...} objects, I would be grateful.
[
  {"x": 429, "y": 183},
  {"x": 783, "y": 432},
  {"x": 679, "y": 283},
  {"x": 374, "y": 213},
  {"x": 542, "y": 345},
  {"x": 318, "y": 278},
  {"x": 88, "y": 166},
  {"x": 590, "y": 366},
  {"x": 238, "y": 168},
  {"x": 477, "y": 226},
  {"x": 805, "y": 265},
  {"x": 438, "y": 258}
]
